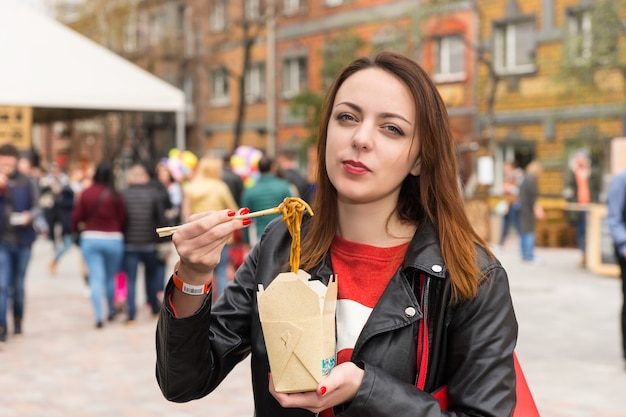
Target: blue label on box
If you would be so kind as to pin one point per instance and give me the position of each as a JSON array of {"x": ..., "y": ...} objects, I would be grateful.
[{"x": 327, "y": 365}]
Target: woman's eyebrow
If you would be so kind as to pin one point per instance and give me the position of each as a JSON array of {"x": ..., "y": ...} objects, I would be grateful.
[{"x": 383, "y": 115}]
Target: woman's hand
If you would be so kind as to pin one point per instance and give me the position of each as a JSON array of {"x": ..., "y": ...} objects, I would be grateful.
[
  {"x": 200, "y": 241},
  {"x": 339, "y": 387},
  {"x": 199, "y": 244}
]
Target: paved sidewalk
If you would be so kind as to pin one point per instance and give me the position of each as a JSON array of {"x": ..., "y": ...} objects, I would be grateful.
[
  {"x": 569, "y": 334},
  {"x": 62, "y": 366}
]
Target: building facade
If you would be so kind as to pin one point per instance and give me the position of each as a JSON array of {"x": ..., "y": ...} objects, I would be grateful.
[{"x": 523, "y": 80}]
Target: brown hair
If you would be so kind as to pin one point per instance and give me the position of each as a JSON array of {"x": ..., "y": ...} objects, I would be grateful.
[{"x": 433, "y": 195}]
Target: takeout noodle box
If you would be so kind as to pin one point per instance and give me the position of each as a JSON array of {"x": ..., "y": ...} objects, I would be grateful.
[{"x": 298, "y": 321}]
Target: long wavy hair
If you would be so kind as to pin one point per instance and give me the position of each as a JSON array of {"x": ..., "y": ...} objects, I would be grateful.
[{"x": 434, "y": 195}]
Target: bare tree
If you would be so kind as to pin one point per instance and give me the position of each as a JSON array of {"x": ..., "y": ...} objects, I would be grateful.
[
  {"x": 244, "y": 25},
  {"x": 338, "y": 51},
  {"x": 432, "y": 9}
]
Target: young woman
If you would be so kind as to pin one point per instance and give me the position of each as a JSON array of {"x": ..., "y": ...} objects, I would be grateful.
[
  {"x": 101, "y": 209},
  {"x": 412, "y": 274}
]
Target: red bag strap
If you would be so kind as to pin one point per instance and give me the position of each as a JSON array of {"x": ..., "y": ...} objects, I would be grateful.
[
  {"x": 422, "y": 340},
  {"x": 525, "y": 406}
]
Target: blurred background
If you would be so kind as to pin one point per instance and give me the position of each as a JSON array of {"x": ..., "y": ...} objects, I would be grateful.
[{"x": 522, "y": 80}]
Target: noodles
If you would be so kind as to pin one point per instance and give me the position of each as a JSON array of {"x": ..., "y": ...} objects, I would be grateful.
[{"x": 292, "y": 209}]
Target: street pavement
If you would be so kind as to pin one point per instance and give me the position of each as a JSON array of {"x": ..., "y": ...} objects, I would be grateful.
[{"x": 569, "y": 347}]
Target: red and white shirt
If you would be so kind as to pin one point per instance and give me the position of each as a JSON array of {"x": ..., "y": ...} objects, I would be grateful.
[{"x": 363, "y": 272}]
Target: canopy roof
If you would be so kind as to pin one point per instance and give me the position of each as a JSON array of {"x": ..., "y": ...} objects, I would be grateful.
[{"x": 61, "y": 74}]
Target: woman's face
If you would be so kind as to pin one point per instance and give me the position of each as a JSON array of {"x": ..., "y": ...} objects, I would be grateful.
[{"x": 370, "y": 146}]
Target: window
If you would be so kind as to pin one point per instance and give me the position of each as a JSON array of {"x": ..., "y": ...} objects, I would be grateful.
[
  {"x": 333, "y": 3},
  {"x": 294, "y": 76},
  {"x": 219, "y": 87},
  {"x": 580, "y": 36},
  {"x": 255, "y": 83},
  {"x": 450, "y": 58},
  {"x": 252, "y": 9},
  {"x": 291, "y": 7},
  {"x": 188, "y": 89},
  {"x": 156, "y": 29},
  {"x": 180, "y": 19},
  {"x": 514, "y": 47},
  {"x": 130, "y": 35},
  {"x": 217, "y": 16}
]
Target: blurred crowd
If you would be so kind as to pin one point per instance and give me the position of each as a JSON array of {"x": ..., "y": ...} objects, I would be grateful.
[{"x": 111, "y": 214}]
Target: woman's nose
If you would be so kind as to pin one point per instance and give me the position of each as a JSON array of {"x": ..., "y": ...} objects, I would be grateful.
[{"x": 362, "y": 138}]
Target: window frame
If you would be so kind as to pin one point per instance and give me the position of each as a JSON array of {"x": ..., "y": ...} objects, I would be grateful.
[
  {"x": 255, "y": 85},
  {"x": 294, "y": 67},
  {"x": 217, "y": 16},
  {"x": 580, "y": 35},
  {"x": 333, "y": 3},
  {"x": 220, "y": 87},
  {"x": 291, "y": 7},
  {"x": 505, "y": 42},
  {"x": 443, "y": 48},
  {"x": 252, "y": 10}
]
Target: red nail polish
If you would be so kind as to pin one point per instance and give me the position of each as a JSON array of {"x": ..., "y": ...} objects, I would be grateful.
[
  {"x": 231, "y": 213},
  {"x": 246, "y": 222},
  {"x": 322, "y": 390},
  {"x": 244, "y": 210}
]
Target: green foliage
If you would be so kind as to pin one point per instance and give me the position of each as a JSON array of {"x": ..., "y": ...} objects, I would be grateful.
[
  {"x": 338, "y": 51},
  {"x": 598, "y": 49}
]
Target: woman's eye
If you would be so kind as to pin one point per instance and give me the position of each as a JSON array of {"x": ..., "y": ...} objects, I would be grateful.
[
  {"x": 396, "y": 130},
  {"x": 345, "y": 117}
]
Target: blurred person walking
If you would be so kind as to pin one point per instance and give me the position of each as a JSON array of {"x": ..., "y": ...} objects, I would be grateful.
[
  {"x": 174, "y": 193},
  {"x": 19, "y": 197},
  {"x": 173, "y": 202},
  {"x": 267, "y": 192},
  {"x": 232, "y": 179},
  {"x": 616, "y": 222},
  {"x": 26, "y": 167},
  {"x": 145, "y": 212},
  {"x": 287, "y": 161},
  {"x": 65, "y": 206},
  {"x": 208, "y": 192},
  {"x": 51, "y": 185},
  {"x": 100, "y": 209},
  {"x": 513, "y": 176},
  {"x": 582, "y": 186},
  {"x": 529, "y": 210}
]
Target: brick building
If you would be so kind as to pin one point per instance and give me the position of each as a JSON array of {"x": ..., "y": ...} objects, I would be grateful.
[{"x": 522, "y": 79}]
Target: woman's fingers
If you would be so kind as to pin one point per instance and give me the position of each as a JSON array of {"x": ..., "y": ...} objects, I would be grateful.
[{"x": 200, "y": 241}]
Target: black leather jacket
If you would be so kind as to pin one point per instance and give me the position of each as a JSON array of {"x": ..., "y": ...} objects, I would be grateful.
[{"x": 470, "y": 343}]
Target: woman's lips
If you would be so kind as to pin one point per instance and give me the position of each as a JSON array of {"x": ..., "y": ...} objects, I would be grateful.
[{"x": 355, "y": 167}]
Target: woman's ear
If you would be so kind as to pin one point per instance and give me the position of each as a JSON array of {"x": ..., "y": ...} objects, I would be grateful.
[{"x": 415, "y": 171}]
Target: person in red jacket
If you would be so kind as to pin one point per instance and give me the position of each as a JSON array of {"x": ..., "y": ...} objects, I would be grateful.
[{"x": 100, "y": 216}]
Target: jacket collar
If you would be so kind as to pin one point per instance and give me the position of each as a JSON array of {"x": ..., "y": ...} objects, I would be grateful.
[{"x": 424, "y": 252}]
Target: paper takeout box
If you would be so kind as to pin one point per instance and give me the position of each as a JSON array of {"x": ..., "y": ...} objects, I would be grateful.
[{"x": 298, "y": 321}]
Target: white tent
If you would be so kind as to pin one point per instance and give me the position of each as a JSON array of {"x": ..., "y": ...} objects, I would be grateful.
[{"x": 44, "y": 64}]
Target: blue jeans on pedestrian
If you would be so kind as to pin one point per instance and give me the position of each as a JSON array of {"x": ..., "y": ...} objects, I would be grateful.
[
  {"x": 527, "y": 244},
  {"x": 153, "y": 274},
  {"x": 581, "y": 230},
  {"x": 221, "y": 270},
  {"x": 67, "y": 244},
  {"x": 103, "y": 258},
  {"x": 508, "y": 220},
  {"x": 13, "y": 263}
]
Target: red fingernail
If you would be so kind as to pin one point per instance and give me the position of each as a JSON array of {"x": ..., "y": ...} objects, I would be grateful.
[
  {"x": 244, "y": 210},
  {"x": 231, "y": 213},
  {"x": 322, "y": 390},
  {"x": 246, "y": 222}
]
